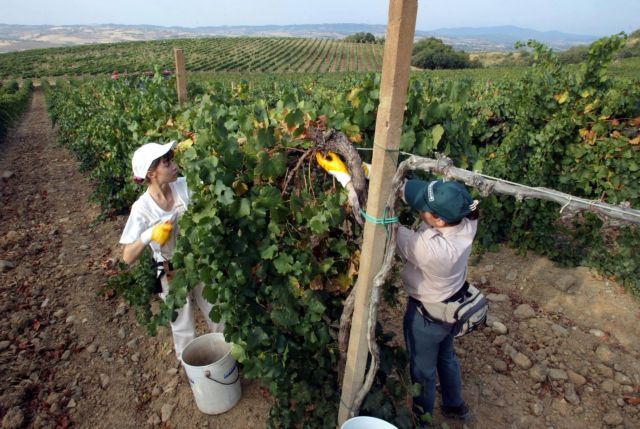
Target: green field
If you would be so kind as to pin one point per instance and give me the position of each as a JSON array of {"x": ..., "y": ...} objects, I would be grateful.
[{"x": 243, "y": 54}]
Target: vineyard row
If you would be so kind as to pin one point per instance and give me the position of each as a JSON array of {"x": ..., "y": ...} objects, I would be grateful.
[{"x": 247, "y": 54}]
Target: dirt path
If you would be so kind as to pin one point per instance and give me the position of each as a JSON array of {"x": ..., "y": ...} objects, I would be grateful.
[{"x": 564, "y": 353}]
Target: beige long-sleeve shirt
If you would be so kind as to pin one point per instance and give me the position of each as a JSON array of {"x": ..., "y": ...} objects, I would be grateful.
[{"x": 435, "y": 259}]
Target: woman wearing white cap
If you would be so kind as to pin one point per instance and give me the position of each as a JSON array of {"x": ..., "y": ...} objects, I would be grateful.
[{"x": 153, "y": 222}]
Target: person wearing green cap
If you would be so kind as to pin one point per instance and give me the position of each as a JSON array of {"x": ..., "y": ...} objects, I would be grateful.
[{"x": 435, "y": 270}]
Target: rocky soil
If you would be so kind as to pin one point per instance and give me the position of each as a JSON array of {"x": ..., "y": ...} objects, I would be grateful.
[{"x": 560, "y": 350}]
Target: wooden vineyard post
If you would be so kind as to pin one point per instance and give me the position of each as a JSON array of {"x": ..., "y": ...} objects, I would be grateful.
[
  {"x": 393, "y": 95},
  {"x": 181, "y": 76}
]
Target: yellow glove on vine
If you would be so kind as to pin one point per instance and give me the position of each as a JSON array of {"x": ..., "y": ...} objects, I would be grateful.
[{"x": 333, "y": 165}]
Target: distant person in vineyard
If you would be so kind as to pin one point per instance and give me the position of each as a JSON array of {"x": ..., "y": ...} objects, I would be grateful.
[
  {"x": 153, "y": 222},
  {"x": 435, "y": 270}
]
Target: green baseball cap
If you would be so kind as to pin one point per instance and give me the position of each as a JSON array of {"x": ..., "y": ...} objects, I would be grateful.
[{"x": 449, "y": 201}]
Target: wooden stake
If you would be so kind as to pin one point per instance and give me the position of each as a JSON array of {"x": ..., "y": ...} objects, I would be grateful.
[
  {"x": 181, "y": 76},
  {"x": 393, "y": 96}
]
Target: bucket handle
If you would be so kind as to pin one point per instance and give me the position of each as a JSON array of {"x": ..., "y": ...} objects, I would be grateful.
[{"x": 207, "y": 374}]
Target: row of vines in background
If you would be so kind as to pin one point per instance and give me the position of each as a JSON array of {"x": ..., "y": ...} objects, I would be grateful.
[
  {"x": 240, "y": 54},
  {"x": 14, "y": 101},
  {"x": 270, "y": 236}
]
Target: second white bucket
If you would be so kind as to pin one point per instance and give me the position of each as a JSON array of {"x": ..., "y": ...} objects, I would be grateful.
[
  {"x": 213, "y": 373},
  {"x": 366, "y": 422}
]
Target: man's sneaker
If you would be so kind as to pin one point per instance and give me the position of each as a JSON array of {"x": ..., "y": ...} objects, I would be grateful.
[{"x": 461, "y": 412}]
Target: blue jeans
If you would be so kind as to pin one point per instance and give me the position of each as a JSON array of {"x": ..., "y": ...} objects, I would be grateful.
[{"x": 430, "y": 348}]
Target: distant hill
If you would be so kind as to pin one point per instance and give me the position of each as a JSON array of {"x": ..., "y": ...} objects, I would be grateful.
[
  {"x": 512, "y": 32},
  {"x": 22, "y": 37},
  {"x": 504, "y": 37}
]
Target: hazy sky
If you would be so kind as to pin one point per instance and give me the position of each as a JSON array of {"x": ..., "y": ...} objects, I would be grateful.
[{"x": 596, "y": 17}]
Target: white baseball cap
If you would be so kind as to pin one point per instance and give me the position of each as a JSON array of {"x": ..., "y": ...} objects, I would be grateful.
[{"x": 146, "y": 154}]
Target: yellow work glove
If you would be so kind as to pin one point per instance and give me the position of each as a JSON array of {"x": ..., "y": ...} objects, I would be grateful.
[
  {"x": 333, "y": 165},
  {"x": 366, "y": 168},
  {"x": 159, "y": 233}
]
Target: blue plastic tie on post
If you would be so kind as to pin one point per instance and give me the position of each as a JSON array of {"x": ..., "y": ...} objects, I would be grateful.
[
  {"x": 378, "y": 221},
  {"x": 386, "y": 221}
]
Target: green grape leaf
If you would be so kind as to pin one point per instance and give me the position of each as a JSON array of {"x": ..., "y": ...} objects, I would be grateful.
[
  {"x": 283, "y": 263},
  {"x": 437, "y": 132},
  {"x": 271, "y": 167},
  {"x": 269, "y": 252}
]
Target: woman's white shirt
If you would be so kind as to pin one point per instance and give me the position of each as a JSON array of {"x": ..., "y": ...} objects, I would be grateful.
[{"x": 146, "y": 213}]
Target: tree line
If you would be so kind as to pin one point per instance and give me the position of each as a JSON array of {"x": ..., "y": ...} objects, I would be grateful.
[
  {"x": 429, "y": 53},
  {"x": 433, "y": 53}
]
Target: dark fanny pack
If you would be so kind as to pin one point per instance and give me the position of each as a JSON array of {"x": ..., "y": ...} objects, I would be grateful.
[{"x": 162, "y": 269}]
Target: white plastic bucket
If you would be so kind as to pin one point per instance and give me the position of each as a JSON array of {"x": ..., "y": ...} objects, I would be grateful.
[
  {"x": 213, "y": 373},
  {"x": 366, "y": 422}
]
